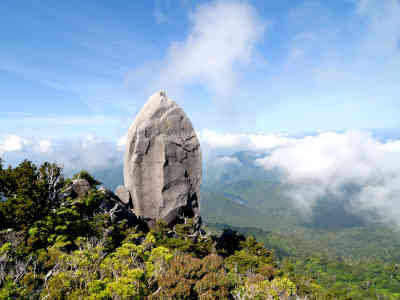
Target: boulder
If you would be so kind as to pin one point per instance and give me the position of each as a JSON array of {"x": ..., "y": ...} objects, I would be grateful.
[
  {"x": 124, "y": 196},
  {"x": 162, "y": 164},
  {"x": 117, "y": 210},
  {"x": 81, "y": 187}
]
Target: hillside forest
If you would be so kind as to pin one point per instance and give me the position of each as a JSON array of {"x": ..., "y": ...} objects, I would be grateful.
[{"x": 55, "y": 244}]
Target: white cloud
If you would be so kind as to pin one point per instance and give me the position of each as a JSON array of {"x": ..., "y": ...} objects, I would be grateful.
[
  {"x": 215, "y": 140},
  {"x": 323, "y": 165},
  {"x": 121, "y": 143},
  {"x": 259, "y": 142},
  {"x": 44, "y": 146},
  {"x": 312, "y": 167},
  {"x": 392, "y": 146},
  {"x": 222, "y": 38},
  {"x": 12, "y": 143},
  {"x": 90, "y": 153},
  {"x": 264, "y": 142},
  {"x": 227, "y": 160}
]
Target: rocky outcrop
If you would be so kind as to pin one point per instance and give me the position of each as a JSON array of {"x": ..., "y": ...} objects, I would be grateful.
[
  {"x": 123, "y": 194},
  {"x": 110, "y": 204},
  {"x": 162, "y": 165},
  {"x": 81, "y": 187},
  {"x": 117, "y": 210}
]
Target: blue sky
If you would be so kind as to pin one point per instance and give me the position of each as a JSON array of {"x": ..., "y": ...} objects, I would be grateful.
[
  {"x": 73, "y": 68},
  {"x": 300, "y": 83}
]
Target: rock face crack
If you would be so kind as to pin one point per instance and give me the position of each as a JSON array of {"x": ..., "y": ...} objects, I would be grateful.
[{"x": 162, "y": 164}]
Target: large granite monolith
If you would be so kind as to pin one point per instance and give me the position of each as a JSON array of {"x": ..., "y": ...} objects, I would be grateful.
[{"x": 162, "y": 165}]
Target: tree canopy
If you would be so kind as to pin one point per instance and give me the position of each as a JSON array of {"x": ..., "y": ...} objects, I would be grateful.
[{"x": 58, "y": 245}]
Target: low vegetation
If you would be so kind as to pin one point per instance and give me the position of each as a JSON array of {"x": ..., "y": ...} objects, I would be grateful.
[
  {"x": 329, "y": 276},
  {"x": 56, "y": 245}
]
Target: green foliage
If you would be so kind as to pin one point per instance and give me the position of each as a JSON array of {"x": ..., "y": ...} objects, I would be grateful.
[
  {"x": 318, "y": 274},
  {"x": 266, "y": 208},
  {"x": 5, "y": 248},
  {"x": 67, "y": 223},
  {"x": 9, "y": 290},
  {"x": 30, "y": 193},
  {"x": 257, "y": 288},
  {"x": 183, "y": 239},
  {"x": 52, "y": 179},
  {"x": 344, "y": 279},
  {"x": 188, "y": 277},
  {"x": 71, "y": 249},
  {"x": 85, "y": 175},
  {"x": 251, "y": 257}
]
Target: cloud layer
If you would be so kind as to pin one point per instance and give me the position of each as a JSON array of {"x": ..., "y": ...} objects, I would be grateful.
[
  {"x": 213, "y": 141},
  {"x": 354, "y": 166},
  {"x": 330, "y": 164},
  {"x": 90, "y": 153}
]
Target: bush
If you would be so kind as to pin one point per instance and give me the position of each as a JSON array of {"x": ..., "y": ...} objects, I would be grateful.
[{"x": 72, "y": 250}]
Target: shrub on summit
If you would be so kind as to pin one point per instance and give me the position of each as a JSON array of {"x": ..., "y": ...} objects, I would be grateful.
[{"x": 28, "y": 193}]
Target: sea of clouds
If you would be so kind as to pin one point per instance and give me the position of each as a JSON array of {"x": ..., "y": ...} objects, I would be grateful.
[
  {"x": 326, "y": 164},
  {"x": 311, "y": 166}
]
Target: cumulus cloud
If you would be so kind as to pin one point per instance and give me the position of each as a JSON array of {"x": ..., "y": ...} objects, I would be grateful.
[
  {"x": 352, "y": 165},
  {"x": 95, "y": 153},
  {"x": 326, "y": 165},
  {"x": 221, "y": 39},
  {"x": 91, "y": 152},
  {"x": 44, "y": 146},
  {"x": 257, "y": 142},
  {"x": 227, "y": 160},
  {"x": 12, "y": 143}
]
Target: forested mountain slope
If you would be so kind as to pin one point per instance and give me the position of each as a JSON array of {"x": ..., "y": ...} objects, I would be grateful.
[
  {"x": 55, "y": 244},
  {"x": 58, "y": 241}
]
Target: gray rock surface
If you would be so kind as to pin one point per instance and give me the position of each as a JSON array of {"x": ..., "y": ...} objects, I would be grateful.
[
  {"x": 124, "y": 195},
  {"x": 162, "y": 165},
  {"x": 81, "y": 187},
  {"x": 117, "y": 210}
]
